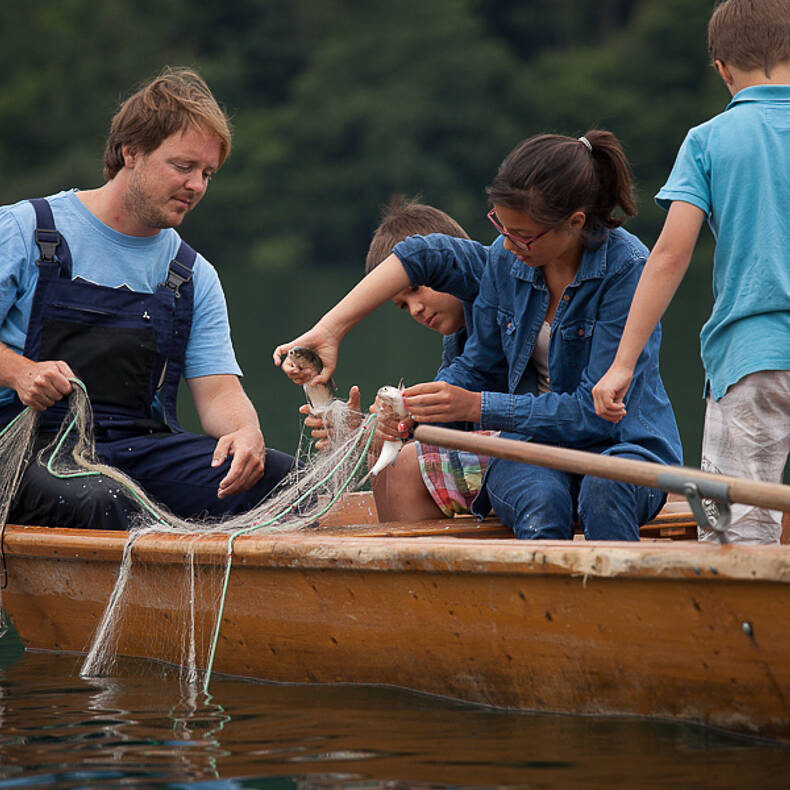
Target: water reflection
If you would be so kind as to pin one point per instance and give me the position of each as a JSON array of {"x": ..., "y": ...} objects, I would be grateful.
[{"x": 144, "y": 728}]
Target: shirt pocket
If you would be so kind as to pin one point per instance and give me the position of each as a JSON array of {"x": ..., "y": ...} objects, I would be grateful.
[
  {"x": 578, "y": 331},
  {"x": 507, "y": 328},
  {"x": 573, "y": 355}
]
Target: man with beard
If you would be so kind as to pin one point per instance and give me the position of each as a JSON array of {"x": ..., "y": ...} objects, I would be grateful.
[{"x": 97, "y": 285}]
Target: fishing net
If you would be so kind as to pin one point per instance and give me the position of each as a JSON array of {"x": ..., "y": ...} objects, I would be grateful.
[{"x": 318, "y": 480}]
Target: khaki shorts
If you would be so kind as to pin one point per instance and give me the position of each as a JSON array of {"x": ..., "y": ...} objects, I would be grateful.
[{"x": 747, "y": 434}]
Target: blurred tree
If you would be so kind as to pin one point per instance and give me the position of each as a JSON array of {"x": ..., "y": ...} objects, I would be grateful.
[
  {"x": 65, "y": 65},
  {"x": 406, "y": 98},
  {"x": 339, "y": 104},
  {"x": 649, "y": 84},
  {"x": 530, "y": 27}
]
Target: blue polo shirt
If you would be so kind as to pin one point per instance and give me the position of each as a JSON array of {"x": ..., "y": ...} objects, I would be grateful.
[{"x": 736, "y": 168}]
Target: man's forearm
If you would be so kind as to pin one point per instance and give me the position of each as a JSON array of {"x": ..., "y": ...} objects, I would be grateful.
[
  {"x": 14, "y": 368},
  {"x": 222, "y": 405}
]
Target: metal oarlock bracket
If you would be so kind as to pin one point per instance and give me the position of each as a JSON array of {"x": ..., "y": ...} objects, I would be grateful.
[
  {"x": 720, "y": 524},
  {"x": 694, "y": 492}
]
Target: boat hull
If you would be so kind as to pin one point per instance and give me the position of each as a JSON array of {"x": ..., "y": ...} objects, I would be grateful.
[{"x": 673, "y": 630}]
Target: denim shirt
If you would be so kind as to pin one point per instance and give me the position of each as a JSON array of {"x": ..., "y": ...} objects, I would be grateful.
[
  {"x": 458, "y": 275},
  {"x": 588, "y": 323}
]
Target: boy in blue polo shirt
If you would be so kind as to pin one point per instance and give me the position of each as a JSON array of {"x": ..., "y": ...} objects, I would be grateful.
[{"x": 733, "y": 170}]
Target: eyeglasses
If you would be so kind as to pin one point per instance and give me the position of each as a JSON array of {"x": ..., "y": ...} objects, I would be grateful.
[{"x": 523, "y": 244}]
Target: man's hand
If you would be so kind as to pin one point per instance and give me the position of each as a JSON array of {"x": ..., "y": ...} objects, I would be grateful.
[
  {"x": 227, "y": 414},
  {"x": 321, "y": 427},
  {"x": 40, "y": 384},
  {"x": 609, "y": 393},
  {"x": 248, "y": 451},
  {"x": 320, "y": 339},
  {"x": 438, "y": 401}
]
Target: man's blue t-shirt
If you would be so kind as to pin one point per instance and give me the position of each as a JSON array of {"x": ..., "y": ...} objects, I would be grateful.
[
  {"x": 736, "y": 168},
  {"x": 106, "y": 257}
]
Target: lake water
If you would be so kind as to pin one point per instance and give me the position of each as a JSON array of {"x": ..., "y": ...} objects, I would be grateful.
[{"x": 141, "y": 729}]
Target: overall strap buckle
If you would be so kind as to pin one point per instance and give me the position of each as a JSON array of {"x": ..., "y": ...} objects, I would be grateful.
[
  {"x": 52, "y": 246},
  {"x": 177, "y": 275},
  {"x": 47, "y": 240}
]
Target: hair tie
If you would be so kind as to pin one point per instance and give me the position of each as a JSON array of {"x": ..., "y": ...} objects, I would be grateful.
[{"x": 586, "y": 142}]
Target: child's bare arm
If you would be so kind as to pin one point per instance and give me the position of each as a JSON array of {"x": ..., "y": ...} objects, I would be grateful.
[
  {"x": 369, "y": 293},
  {"x": 663, "y": 272}
]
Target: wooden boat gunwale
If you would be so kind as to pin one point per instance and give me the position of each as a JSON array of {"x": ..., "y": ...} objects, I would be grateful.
[{"x": 661, "y": 560}]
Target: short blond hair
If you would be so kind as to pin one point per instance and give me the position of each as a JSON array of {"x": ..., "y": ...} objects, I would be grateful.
[
  {"x": 170, "y": 103},
  {"x": 750, "y": 34}
]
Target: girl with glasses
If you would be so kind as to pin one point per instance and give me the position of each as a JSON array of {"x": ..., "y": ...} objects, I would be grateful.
[{"x": 554, "y": 295}]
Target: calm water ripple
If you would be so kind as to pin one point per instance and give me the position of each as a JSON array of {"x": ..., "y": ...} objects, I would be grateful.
[{"x": 142, "y": 729}]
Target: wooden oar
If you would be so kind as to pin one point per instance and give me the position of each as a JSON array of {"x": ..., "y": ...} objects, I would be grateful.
[{"x": 669, "y": 478}]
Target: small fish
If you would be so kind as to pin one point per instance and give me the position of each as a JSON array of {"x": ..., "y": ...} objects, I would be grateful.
[
  {"x": 390, "y": 403},
  {"x": 319, "y": 396}
]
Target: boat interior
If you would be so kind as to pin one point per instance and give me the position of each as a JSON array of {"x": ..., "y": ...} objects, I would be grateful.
[{"x": 355, "y": 514}]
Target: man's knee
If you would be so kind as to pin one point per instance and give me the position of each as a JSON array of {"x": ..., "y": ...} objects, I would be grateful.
[{"x": 89, "y": 502}]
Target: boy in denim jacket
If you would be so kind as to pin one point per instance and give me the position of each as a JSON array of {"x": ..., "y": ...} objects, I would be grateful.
[{"x": 733, "y": 170}]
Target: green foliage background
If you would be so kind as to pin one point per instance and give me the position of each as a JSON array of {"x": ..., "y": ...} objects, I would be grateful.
[{"x": 339, "y": 104}]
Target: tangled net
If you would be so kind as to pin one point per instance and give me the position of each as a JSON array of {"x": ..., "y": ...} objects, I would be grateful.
[{"x": 317, "y": 481}]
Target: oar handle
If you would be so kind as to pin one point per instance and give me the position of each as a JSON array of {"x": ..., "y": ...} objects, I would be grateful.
[{"x": 645, "y": 473}]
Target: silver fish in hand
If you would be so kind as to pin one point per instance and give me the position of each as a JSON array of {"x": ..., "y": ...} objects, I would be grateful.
[
  {"x": 319, "y": 396},
  {"x": 390, "y": 403}
]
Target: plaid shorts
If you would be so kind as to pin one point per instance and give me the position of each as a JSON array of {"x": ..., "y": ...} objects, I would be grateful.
[{"x": 453, "y": 477}]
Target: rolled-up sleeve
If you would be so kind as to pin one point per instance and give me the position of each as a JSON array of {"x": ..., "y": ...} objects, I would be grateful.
[{"x": 444, "y": 263}]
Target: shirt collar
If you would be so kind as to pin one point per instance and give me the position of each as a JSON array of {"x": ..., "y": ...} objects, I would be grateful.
[
  {"x": 761, "y": 93},
  {"x": 593, "y": 265}
]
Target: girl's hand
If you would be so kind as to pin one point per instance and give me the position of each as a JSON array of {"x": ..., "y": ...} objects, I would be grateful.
[
  {"x": 609, "y": 392},
  {"x": 390, "y": 428},
  {"x": 296, "y": 374},
  {"x": 320, "y": 339},
  {"x": 438, "y": 401}
]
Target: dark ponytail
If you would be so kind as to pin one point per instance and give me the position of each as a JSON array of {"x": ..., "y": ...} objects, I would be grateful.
[{"x": 551, "y": 176}]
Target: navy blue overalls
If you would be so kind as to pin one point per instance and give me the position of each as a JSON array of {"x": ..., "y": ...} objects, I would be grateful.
[{"x": 128, "y": 348}]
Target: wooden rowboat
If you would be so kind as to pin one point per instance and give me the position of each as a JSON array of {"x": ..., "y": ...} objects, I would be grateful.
[{"x": 661, "y": 628}]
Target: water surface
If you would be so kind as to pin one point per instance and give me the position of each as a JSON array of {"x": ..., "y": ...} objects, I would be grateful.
[{"x": 142, "y": 729}]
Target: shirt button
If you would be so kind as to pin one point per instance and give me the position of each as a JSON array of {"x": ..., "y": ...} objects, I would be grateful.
[
  {"x": 581, "y": 333},
  {"x": 566, "y": 297}
]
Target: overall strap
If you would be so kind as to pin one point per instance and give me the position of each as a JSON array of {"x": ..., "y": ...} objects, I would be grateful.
[
  {"x": 53, "y": 249},
  {"x": 179, "y": 283},
  {"x": 180, "y": 269}
]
